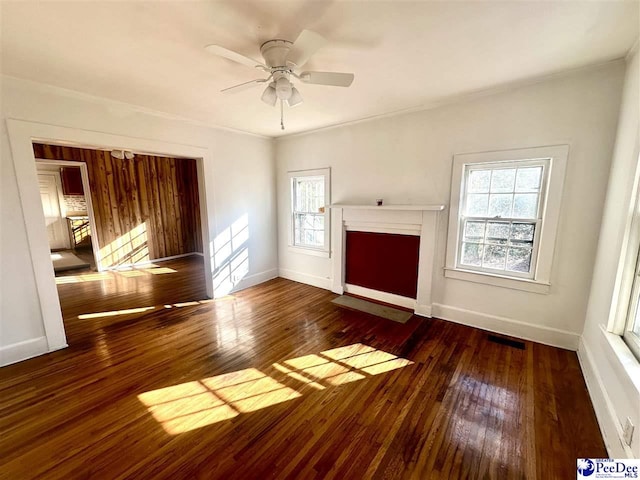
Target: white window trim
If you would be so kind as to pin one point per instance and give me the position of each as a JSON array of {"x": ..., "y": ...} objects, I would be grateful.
[
  {"x": 318, "y": 252},
  {"x": 620, "y": 323},
  {"x": 541, "y": 281}
]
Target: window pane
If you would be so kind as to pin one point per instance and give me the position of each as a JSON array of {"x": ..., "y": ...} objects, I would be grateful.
[
  {"x": 502, "y": 180},
  {"x": 500, "y": 205},
  {"x": 528, "y": 179},
  {"x": 309, "y": 237},
  {"x": 497, "y": 232},
  {"x": 522, "y": 232},
  {"x": 474, "y": 231},
  {"x": 308, "y": 221},
  {"x": 494, "y": 256},
  {"x": 477, "y": 204},
  {"x": 309, "y": 194},
  {"x": 525, "y": 205},
  {"x": 479, "y": 181},
  {"x": 471, "y": 254},
  {"x": 519, "y": 259}
]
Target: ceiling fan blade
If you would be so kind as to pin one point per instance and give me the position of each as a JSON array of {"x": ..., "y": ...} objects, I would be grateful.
[
  {"x": 334, "y": 79},
  {"x": 306, "y": 44},
  {"x": 234, "y": 56},
  {"x": 244, "y": 85}
]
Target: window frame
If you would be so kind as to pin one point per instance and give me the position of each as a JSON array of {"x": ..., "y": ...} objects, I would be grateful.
[
  {"x": 629, "y": 337},
  {"x": 463, "y": 219},
  {"x": 323, "y": 251},
  {"x": 628, "y": 299},
  {"x": 549, "y": 201}
]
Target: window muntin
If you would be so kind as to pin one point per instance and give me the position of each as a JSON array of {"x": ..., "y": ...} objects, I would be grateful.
[
  {"x": 309, "y": 223},
  {"x": 501, "y": 216}
]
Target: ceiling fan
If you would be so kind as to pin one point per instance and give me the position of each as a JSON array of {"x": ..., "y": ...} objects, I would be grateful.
[{"x": 282, "y": 62}]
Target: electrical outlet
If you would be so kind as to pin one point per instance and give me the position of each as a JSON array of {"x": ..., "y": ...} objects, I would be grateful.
[{"x": 627, "y": 433}]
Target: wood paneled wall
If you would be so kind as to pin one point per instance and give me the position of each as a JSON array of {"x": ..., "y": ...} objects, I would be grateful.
[{"x": 145, "y": 208}]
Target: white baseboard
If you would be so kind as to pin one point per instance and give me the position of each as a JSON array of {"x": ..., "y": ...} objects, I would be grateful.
[
  {"x": 312, "y": 280},
  {"x": 16, "y": 352},
  {"x": 255, "y": 279},
  {"x": 423, "y": 310},
  {"x": 155, "y": 260},
  {"x": 605, "y": 412},
  {"x": 507, "y": 326}
]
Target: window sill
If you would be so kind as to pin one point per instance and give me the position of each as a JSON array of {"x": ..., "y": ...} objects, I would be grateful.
[
  {"x": 309, "y": 251},
  {"x": 526, "y": 285}
]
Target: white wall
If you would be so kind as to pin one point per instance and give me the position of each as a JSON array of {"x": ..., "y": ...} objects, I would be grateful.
[
  {"x": 608, "y": 365},
  {"x": 408, "y": 158},
  {"x": 240, "y": 181}
]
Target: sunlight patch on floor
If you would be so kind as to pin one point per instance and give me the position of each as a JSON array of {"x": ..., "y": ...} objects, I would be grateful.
[
  {"x": 142, "y": 271},
  {"x": 113, "y": 313},
  {"x": 187, "y": 406},
  {"x": 196, "y": 404}
]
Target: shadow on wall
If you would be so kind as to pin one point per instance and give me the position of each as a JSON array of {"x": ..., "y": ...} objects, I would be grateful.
[{"x": 230, "y": 256}]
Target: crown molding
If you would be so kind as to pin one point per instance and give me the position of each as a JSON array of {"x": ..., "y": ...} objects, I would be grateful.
[
  {"x": 124, "y": 106},
  {"x": 465, "y": 97}
]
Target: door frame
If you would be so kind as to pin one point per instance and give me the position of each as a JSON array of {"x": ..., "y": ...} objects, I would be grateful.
[
  {"x": 84, "y": 174},
  {"x": 22, "y": 135}
]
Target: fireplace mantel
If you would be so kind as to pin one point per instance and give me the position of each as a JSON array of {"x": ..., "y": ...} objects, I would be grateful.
[
  {"x": 419, "y": 220},
  {"x": 388, "y": 207}
]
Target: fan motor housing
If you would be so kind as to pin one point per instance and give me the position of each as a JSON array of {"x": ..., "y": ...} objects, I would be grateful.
[{"x": 275, "y": 52}]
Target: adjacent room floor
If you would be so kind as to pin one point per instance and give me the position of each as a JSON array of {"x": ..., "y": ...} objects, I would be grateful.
[
  {"x": 95, "y": 302},
  {"x": 278, "y": 382}
]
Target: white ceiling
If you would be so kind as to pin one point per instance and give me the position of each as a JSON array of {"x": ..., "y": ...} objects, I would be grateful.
[{"x": 403, "y": 54}]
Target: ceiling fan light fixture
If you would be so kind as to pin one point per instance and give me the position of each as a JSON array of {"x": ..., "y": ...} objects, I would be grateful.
[
  {"x": 295, "y": 98},
  {"x": 119, "y": 154},
  {"x": 269, "y": 95},
  {"x": 283, "y": 88}
]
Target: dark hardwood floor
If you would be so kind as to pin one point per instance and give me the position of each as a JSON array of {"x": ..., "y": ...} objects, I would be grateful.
[{"x": 277, "y": 382}]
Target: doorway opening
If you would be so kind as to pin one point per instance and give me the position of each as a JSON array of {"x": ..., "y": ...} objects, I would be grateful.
[
  {"x": 67, "y": 216},
  {"x": 124, "y": 233}
]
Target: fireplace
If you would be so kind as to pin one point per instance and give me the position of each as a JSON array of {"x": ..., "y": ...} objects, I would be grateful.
[{"x": 385, "y": 253}]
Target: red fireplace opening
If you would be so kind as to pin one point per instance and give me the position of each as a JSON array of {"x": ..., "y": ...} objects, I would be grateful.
[{"x": 386, "y": 262}]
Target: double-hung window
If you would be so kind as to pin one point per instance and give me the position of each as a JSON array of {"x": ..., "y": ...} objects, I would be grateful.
[
  {"x": 501, "y": 216},
  {"x": 504, "y": 216},
  {"x": 309, "y": 210}
]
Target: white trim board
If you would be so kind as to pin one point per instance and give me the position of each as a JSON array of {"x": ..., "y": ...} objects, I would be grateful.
[
  {"x": 16, "y": 352},
  {"x": 21, "y": 135},
  {"x": 506, "y": 326},
  {"x": 148, "y": 262},
  {"x": 605, "y": 412},
  {"x": 313, "y": 280},
  {"x": 118, "y": 106},
  {"x": 256, "y": 279},
  {"x": 456, "y": 99}
]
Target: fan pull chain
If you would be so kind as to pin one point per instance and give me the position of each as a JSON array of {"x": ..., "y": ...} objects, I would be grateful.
[{"x": 282, "y": 114}]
